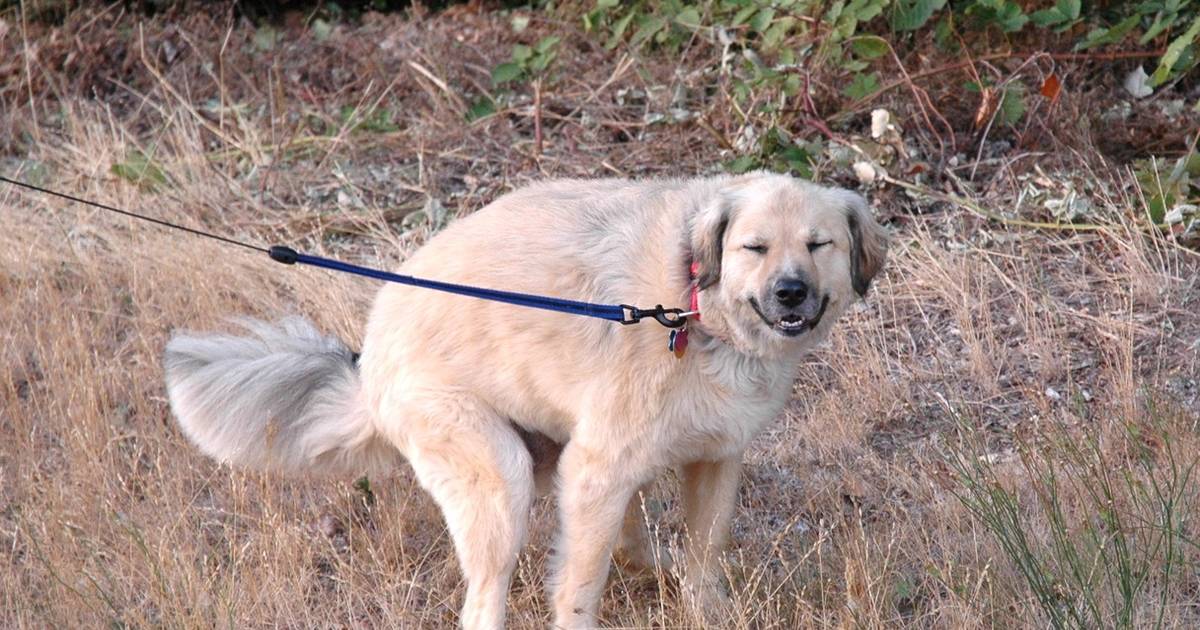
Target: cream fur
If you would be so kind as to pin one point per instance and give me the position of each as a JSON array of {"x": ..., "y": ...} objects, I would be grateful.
[{"x": 457, "y": 385}]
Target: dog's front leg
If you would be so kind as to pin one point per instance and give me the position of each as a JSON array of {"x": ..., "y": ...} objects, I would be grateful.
[
  {"x": 709, "y": 498},
  {"x": 594, "y": 490}
]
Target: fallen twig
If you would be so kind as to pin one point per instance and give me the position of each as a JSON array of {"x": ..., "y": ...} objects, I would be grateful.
[{"x": 537, "y": 117}]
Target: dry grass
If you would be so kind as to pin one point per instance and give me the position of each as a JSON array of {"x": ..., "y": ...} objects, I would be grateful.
[{"x": 975, "y": 346}]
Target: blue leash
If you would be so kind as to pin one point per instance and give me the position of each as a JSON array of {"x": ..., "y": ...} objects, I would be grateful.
[{"x": 621, "y": 313}]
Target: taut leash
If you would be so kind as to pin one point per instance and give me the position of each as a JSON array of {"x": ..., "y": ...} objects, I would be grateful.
[{"x": 620, "y": 313}]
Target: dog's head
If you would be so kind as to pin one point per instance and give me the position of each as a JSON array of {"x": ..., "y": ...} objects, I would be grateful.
[{"x": 780, "y": 259}]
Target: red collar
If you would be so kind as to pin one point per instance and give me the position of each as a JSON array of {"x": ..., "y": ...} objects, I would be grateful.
[{"x": 694, "y": 297}]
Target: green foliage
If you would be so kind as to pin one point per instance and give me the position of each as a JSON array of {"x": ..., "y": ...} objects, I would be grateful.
[
  {"x": 777, "y": 152},
  {"x": 1012, "y": 102},
  {"x": 1063, "y": 15},
  {"x": 527, "y": 62},
  {"x": 1003, "y": 14},
  {"x": 910, "y": 15},
  {"x": 363, "y": 486},
  {"x": 375, "y": 120},
  {"x": 862, "y": 86},
  {"x": 1171, "y": 60},
  {"x": 1111, "y": 35},
  {"x": 772, "y": 45},
  {"x": 1166, "y": 185},
  {"x": 481, "y": 107}
]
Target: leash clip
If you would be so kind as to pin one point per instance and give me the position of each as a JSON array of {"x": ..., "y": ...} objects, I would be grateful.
[{"x": 669, "y": 317}]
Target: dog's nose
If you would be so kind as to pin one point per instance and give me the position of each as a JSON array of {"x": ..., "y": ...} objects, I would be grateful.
[{"x": 791, "y": 292}]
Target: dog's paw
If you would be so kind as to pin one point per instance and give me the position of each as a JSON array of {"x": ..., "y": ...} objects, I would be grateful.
[
  {"x": 644, "y": 558},
  {"x": 707, "y": 602}
]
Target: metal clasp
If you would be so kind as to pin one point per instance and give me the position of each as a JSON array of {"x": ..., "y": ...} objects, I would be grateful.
[{"x": 669, "y": 317}]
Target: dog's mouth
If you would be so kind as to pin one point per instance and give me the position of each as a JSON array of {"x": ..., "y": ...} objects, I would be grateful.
[{"x": 791, "y": 324}]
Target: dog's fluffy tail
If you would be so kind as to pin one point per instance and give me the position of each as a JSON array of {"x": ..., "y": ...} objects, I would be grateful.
[{"x": 283, "y": 398}]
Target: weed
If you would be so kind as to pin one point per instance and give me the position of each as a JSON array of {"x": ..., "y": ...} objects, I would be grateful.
[{"x": 1105, "y": 529}]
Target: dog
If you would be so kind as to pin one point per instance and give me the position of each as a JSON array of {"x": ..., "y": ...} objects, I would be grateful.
[{"x": 478, "y": 396}]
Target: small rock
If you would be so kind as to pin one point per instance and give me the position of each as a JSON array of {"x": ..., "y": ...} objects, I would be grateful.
[
  {"x": 864, "y": 172},
  {"x": 880, "y": 119},
  {"x": 1136, "y": 84},
  {"x": 1053, "y": 394},
  {"x": 1176, "y": 214}
]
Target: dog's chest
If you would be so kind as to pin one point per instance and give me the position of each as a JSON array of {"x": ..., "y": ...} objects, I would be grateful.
[{"x": 724, "y": 404}]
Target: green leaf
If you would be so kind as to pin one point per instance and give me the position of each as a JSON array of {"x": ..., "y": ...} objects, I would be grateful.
[
  {"x": 862, "y": 85},
  {"x": 649, "y": 28},
  {"x": 265, "y": 38},
  {"x": 542, "y": 61},
  {"x": 378, "y": 121},
  {"x": 1167, "y": 64},
  {"x": 1064, "y": 12},
  {"x": 910, "y": 15},
  {"x": 742, "y": 164},
  {"x": 141, "y": 170},
  {"x": 618, "y": 30},
  {"x": 607, "y": 4},
  {"x": 1158, "y": 207},
  {"x": 797, "y": 160},
  {"x": 742, "y": 16},
  {"x": 869, "y": 47},
  {"x": 521, "y": 53},
  {"x": 762, "y": 19},
  {"x": 791, "y": 85},
  {"x": 506, "y": 72},
  {"x": 546, "y": 44},
  {"x": 777, "y": 32},
  {"x": 1010, "y": 18},
  {"x": 689, "y": 17},
  {"x": 1113, "y": 35},
  {"x": 1012, "y": 107},
  {"x": 854, "y": 65},
  {"x": 867, "y": 10},
  {"x": 1160, "y": 24},
  {"x": 482, "y": 107},
  {"x": 943, "y": 33},
  {"x": 1047, "y": 17}
]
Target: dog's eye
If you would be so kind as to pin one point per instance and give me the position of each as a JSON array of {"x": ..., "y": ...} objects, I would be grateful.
[
  {"x": 756, "y": 248},
  {"x": 812, "y": 247}
]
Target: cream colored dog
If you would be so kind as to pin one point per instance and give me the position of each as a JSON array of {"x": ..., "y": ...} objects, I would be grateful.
[{"x": 480, "y": 396}]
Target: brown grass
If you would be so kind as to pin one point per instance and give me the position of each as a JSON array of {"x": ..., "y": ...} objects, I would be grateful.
[{"x": 974, "y": 344}]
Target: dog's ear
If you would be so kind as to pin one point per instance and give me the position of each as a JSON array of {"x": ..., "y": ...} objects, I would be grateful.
[
  {"x": 708, "y": 238},
  {"x": 868, "y": 242}
]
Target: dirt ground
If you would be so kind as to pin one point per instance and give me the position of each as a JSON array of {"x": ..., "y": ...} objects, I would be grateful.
[{"x": 984, "y": 346}]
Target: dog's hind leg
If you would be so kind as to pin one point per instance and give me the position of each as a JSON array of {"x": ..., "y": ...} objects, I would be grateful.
[{"x": 481, "y": 475}]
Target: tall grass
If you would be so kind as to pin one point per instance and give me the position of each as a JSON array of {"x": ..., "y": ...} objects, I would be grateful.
[{"x": 1097, "y": 530}]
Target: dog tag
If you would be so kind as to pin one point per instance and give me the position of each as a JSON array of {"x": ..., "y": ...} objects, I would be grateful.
[{"x": 677, "y": 341}]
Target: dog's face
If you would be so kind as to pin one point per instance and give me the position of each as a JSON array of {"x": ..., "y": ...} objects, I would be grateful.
[{"x": 780, "y": 259}]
